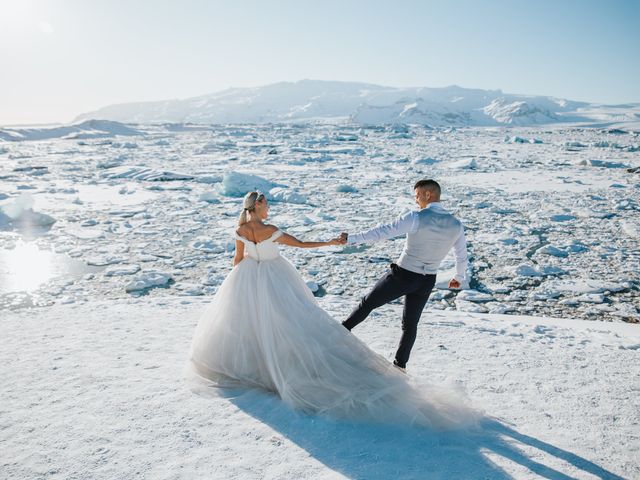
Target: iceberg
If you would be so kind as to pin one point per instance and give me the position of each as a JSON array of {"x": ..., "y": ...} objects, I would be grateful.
[
  {"x": 20, "y": 215},
  {"x": 237, "y": 184}
]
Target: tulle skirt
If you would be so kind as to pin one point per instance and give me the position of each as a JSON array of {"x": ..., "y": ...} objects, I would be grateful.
[{"x": 265, "y": 329}]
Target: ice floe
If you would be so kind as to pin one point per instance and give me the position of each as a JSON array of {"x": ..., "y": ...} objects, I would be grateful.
[
  {"x": 120, "y": 270},
  {"x": 237, "y": 184},
  {"x": 209, "y": 197},
  {"x": 279, "y": 194},
  {"x": 584, "y": 286},
  {"x": 526, "y": 270},
  {"x": 82, "y": 130},
  {"x": 474, "y": 296},
  {"x": 148, "y": 279},
  {"x": 145, "y": 174},
  {"x": 464, "y": 164}
]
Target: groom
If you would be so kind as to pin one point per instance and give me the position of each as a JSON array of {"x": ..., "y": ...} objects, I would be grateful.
[{"x": 431, "y": 232}]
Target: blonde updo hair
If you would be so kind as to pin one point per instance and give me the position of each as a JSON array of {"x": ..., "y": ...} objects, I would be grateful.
[{"x": 249, "y": 205}]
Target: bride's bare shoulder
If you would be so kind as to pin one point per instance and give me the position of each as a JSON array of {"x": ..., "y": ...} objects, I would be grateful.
[
  {"x": 241, "y": 230},
  {"x": 253, "y": 231}
]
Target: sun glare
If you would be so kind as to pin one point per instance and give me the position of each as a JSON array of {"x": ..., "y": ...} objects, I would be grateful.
[
  {"x": 13, "y": 11},
  {"x": 25, "y": 268},
  {"x": 19, "y": 18}
]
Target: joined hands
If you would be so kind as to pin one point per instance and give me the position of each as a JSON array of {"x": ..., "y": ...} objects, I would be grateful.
[{"x": 341, "y": 240}]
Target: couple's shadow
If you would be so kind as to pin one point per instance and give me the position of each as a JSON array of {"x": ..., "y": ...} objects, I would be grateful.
[{"x": 373, "y": 451}]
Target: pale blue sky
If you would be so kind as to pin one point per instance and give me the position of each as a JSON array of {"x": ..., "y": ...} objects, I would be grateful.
[{"x": 59, "y": 58}]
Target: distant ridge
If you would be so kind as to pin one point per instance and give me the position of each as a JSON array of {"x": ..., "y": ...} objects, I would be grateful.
[
  {"x": 85, "y": 129},
  {"x": 363, "y": 103}
]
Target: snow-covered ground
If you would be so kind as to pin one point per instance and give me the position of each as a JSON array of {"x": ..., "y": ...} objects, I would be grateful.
[
  {"x": 552, "y": 214},
  {"x": 95, "y": 391}
]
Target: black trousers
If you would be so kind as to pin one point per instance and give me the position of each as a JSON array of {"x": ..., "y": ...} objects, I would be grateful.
[{"x": 416, "y": 289}]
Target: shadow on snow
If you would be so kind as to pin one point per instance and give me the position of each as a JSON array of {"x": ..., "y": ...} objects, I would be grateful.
[{"x": 378, "y": 451}]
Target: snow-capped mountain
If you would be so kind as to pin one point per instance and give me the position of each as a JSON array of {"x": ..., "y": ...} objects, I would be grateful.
[{"x": 314, "y": 100}]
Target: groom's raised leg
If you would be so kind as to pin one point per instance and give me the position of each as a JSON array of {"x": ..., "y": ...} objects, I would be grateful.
[
  {"x": 388, "y": 288},
  {"x": 414, "y": 303}
]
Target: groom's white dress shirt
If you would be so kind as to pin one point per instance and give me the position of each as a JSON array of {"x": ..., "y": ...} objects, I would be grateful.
[{"x": 431, "y": 233}]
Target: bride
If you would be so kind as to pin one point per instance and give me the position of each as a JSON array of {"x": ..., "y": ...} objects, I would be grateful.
[{"x": 264, "y": 329}]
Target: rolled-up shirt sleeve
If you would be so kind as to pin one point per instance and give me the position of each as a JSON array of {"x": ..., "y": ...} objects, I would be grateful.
[
  {"x": 404, "y": 224},
  {"x": 462, "y": 259}
]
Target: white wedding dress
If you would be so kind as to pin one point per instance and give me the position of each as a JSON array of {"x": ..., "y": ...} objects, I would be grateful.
[{"x": 265, "y": 329}]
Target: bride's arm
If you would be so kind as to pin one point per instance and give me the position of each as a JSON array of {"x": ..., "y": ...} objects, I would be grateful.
[
  {"x": 239, "y": 253},
  {"x": 292, "y": 241}
]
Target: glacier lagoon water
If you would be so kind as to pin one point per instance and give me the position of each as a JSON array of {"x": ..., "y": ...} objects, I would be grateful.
[{"x": 552, "y": 215}]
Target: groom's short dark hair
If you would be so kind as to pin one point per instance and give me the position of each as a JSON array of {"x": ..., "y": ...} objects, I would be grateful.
[{"x": 429, "y": 185}]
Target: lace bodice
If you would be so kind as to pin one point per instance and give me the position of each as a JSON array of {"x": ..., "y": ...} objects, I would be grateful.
[{"x": 265, "y": 250}]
